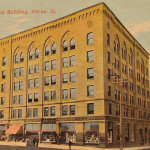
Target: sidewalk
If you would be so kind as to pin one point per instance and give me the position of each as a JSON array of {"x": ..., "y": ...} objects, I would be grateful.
[
  {"x": 73, "y": 147},
  {"x": 66, "y": 147},
  {"x": 13, "y": 143}
]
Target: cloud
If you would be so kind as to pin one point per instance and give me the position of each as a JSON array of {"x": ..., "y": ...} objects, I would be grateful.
[
  {"x": 22, "y": 20},
  {"x": 139, "y": 27}
]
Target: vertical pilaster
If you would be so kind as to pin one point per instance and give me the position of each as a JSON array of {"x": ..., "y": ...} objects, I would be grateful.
[
  {"x": 79, "y": 133},
  {"x": 102, "y": 133}
]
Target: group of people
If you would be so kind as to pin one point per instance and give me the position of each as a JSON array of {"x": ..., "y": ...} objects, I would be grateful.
[{"x": 35, "y": 142}]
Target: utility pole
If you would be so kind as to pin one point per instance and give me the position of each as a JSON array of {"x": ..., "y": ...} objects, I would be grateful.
[{"x": 120, "y": 81}]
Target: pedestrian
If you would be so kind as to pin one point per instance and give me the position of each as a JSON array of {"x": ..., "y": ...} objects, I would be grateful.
[
  {"x": 34, "y": 141},
  {"x": 70, "y": 144}
]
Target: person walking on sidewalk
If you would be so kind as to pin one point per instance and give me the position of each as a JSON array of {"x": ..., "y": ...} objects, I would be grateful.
[{"x": 70, "y": 144}]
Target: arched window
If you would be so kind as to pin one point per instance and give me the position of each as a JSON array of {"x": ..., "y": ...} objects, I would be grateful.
[
  {"x": 47, "y": 51},
  {"x": 131, "y": 57},
  {"x": 21, "y": 57},
  {"x": 37, "y": 53},
  {"x": 4, "y": 61},
  {"x": 54, "y": 48},
  {"x": 115, "y": 49},
  {"x": 31, "y": 55},
  {"x": 72, "y": 44},
  {"x": 65, "y": 46},
  {"x": 16, "y": 59},
  {"x": 90, "y": 38},
  {"x": 124, "y": 51}
]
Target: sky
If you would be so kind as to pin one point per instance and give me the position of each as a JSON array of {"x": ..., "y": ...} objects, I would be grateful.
[{"x": 134, "y": 15}]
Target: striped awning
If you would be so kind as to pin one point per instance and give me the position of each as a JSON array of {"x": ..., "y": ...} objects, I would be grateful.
[{"x": 15, "y": 129}]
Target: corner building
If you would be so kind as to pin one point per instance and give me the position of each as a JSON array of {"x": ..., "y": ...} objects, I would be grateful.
[{"x": 58, "y": 81}]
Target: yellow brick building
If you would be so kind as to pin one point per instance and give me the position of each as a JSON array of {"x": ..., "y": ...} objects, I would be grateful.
[{"x": 58, "y": 81}]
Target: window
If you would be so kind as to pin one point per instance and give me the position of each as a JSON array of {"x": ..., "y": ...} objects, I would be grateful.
[
  {"x": 54, "y": 48},
  {"x": 90, "y": 56},
  {"x": 15, "y": 99},
  {"x": 47, "y": 51},
  {"x": 65, "y": 62},
  {"x": 31, "y": 55},
  {"x": 110, "y": 108},
  {"x": 65, "y": 94},
  {"x": 72, "y": 76},
  {"x": 1, "y": 114},
  {"x": 72, "y": 44},
  {"x": 109, "y": 90},
  {"x": 2, "y": 87},
  {"x": 90, "y": 38},
  {"x": 72, "y": 110},
  {"x": 90, "y": 73},
  {"x": 46, "y": 81},
  {"x": 37, "y": 69},
  {"x": 20, "y": 99},
  {"x": 64, "y": 110},
  {"x": 21, "y": 57},
  {"x": 53, "y": 111},
  {"x": 73, "y": 93},
  {"x": 31, "y": 71},
  {"x": 53, "y": 80},
  {"x": 14, "y": 113},
  {"x": 36, "y": 82},
  {"x": 72, "y": 60},
  {"x": 46, "y": 111},
  {"x": 35, "y": 112},
  {"x": 16, "y": 72},
  {"x": 21, "y": 85},
  {"x": 37, "y": 53},
  {"x": 53, "y": 64},
  {"x": 108, "y": 39},
  {"x": 31, "y": 83},
  {"x": 46, "y": 96},
  {"x": 36, "y": 97},
  {"x": 47, "y": 66},
  {"x": 16, "y": 88},
  {"x": 16, "y": 59},
  {"x": 109, "y": 73},
  {"x": 29, "y": 98},
  {"x": 4, "y": 61},
  {"x": 90, "y": 108},
  {"x": 3, "y": 74},
  {"x": 53, "y": 95},
  {"x": 65, "y": 78},
  {"x": 108, "y": 57},
  {"x": 65, "y": 46},
  {"x": 19, "y": 113},
  {"x": 2, "y": 100},
  {"x": 22, "y": 71},
  {"x": 90, "y": 90},
  {"x": 29, "y": 113}
]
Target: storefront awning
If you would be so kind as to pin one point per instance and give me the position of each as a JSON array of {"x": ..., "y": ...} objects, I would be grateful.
[{"x": 15, "y": 129}]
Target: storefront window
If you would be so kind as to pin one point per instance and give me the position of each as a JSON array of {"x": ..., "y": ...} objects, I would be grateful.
[
  {"x": 68, "y": 132},
  {"x": 91, "y": 132},
  {"x": 127, "y": 132}
]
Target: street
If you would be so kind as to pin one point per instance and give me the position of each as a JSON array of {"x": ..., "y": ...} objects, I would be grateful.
[{"x": 2, "y": 147}]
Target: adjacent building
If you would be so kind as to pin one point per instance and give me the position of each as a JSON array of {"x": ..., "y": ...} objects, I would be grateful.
[{"x": 65, "y": 80}]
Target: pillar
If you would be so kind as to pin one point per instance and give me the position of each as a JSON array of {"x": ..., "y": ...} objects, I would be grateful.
[
  {"x": 58, "y": 132},
  {"x": 102, "y": 133},
  {"x": 79, "y": 133},
  {"x": 23, "y": 132},
  {"x": 40, "y": 132}
]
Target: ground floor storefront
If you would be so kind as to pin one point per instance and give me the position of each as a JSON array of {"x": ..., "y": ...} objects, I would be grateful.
[{"x": 101, "y": 133}]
